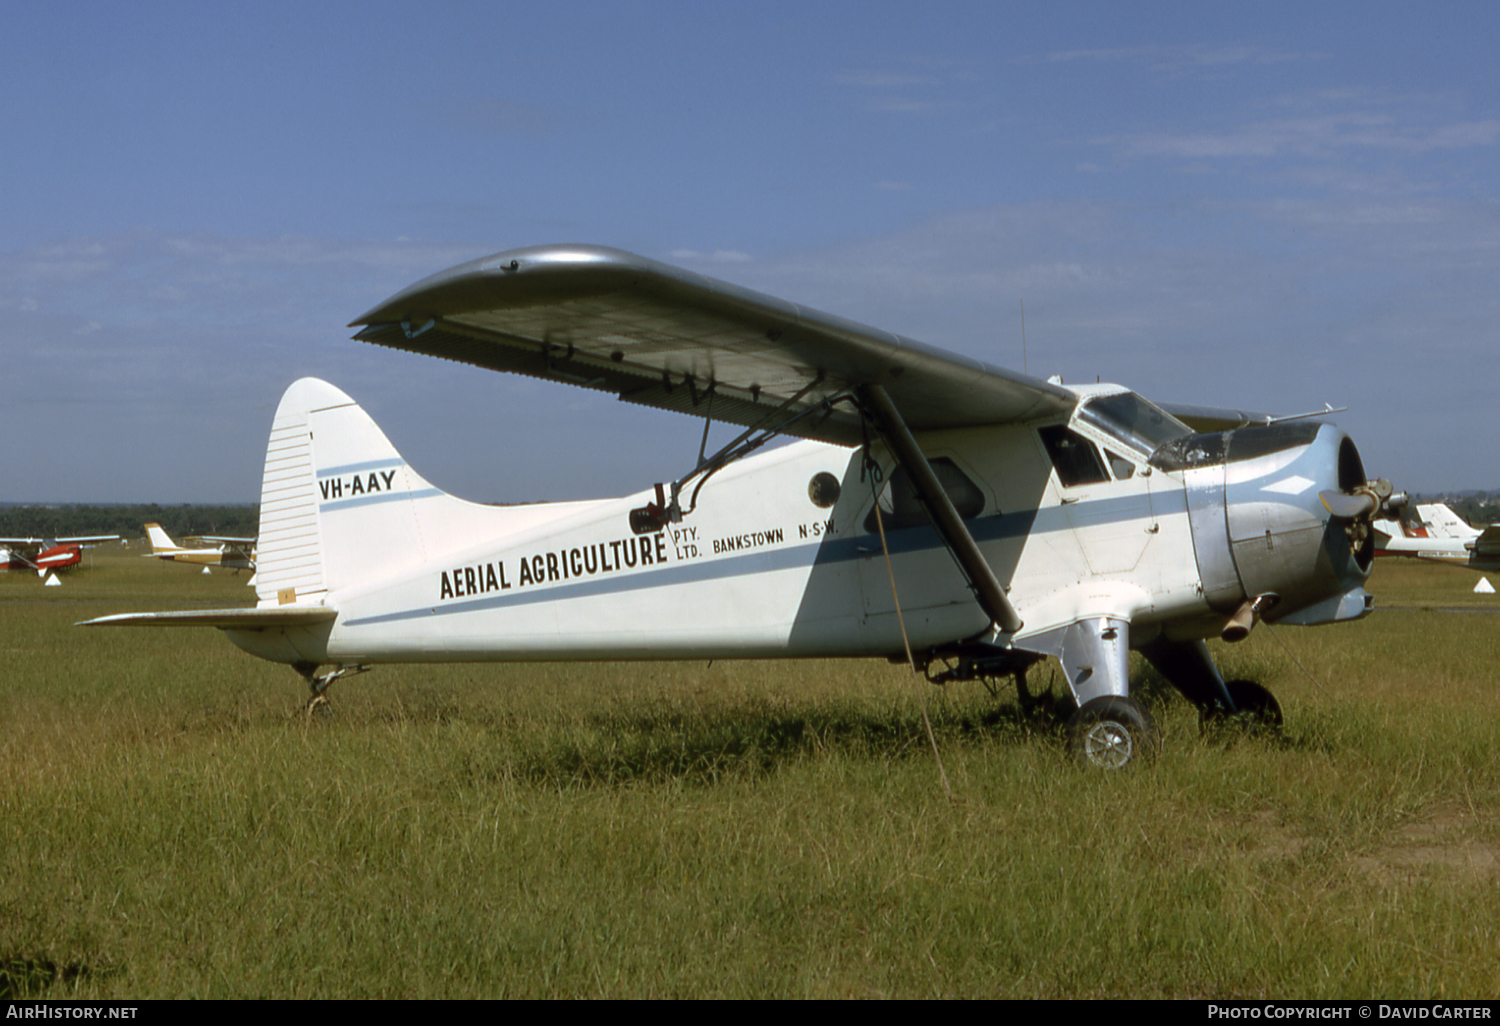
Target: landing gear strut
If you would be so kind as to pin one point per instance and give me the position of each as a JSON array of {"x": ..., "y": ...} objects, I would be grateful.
[
  {"x": 1256, "y": 710},
  {"x": 318, "y": 683},
  {"x": 1189, "y": 668}
]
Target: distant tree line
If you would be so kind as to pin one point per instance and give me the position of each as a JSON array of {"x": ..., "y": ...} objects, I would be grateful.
[{"x": 127, "y": 520}]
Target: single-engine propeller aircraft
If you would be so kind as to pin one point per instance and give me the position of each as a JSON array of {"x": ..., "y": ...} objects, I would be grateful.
[
  {"x": 971, "y": 519},
  {"x": 47, "y": 554},
  {"x": 230, "y": 553},
  {"x": 1442, "y": 537}
]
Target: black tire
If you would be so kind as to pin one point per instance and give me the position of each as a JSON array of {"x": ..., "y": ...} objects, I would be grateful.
[
  {"x": 1112, "y": 733},
  {"x": 1258, "y": 712}
]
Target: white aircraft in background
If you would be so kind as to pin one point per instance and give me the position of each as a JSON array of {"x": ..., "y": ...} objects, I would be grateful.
[
  {"x": 939, "y": 511},
  {"x": 1443, "y": 537},
  {"x": 230, "y": 553},
  {"x": 47, "y": 554}
]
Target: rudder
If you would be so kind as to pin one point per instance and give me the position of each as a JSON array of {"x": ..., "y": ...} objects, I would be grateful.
[
  {"x": 161, "y": 541},
  {"x": 336, "y": 498},
  {"x": 341, "y": 509}
]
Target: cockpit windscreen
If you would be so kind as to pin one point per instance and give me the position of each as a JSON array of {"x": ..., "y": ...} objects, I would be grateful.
[{"x": 1133, "y": 421}]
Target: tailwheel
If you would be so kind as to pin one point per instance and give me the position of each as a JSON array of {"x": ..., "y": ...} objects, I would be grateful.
[
  {"x": 1112, "y": 732},
  {"x": 1257, "y": 713},
  {"x": 318, "y": 684}
]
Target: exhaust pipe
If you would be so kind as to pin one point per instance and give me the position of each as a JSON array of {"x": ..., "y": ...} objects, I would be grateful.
[{"x": 1247, "y": 616}]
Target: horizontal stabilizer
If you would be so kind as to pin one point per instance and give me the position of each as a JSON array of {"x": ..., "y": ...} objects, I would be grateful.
[{"x": 225, "y": 619}]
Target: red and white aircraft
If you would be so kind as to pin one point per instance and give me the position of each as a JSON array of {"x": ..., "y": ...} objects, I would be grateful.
[
  {"x": 1442, "y": 536},
  {"x": 44, "y": 554}
]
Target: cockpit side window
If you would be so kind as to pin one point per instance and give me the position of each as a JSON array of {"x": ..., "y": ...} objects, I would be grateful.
[
  {"x": 1124, "y": 470},
  {"x": 1073, "y": 456},
  {"x": 900, "y": 507}
]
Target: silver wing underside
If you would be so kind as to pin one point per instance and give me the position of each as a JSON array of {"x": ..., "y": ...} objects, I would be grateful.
[{"x": 660, "y": 336}]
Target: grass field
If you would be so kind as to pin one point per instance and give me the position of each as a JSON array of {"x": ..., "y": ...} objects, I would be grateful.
[{"x": 171, "y": 825}]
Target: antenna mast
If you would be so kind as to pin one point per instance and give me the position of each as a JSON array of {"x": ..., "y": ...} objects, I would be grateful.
[{"x": 1023, "y": 336}]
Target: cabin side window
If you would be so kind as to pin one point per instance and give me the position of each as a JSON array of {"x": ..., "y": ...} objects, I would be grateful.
[
  {"x": 1123, "y": 468},
  {"x": 1073, "y": 457},
  {"x": 899, "y": 506}
]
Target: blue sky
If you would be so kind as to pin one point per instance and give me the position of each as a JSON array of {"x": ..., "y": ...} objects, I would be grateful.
[{"x": 1269, "y": 206}]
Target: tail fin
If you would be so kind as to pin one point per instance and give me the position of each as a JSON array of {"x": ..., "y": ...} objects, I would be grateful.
[
  {"x": 1442, "y": 522},
  {"x": 161, "y": 542},
  {"x": 340, "y": 507}
]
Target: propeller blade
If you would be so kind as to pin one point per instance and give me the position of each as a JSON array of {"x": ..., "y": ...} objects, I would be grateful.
[{"x": 1349, "y": 507}]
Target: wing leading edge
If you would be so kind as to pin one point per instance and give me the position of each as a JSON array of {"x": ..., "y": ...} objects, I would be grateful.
[{"x": 665, "y": 337}]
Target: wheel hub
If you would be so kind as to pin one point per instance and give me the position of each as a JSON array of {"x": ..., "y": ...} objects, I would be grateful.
[{"x": 1108, "y": 745}]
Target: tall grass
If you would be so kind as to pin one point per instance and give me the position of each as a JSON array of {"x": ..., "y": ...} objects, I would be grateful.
[{"x": 172, "y": 825}]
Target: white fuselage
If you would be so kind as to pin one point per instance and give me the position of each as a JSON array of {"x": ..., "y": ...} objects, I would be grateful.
[
  {"x": 759, "y": 570},
  {"x": 780, "y": 554}
]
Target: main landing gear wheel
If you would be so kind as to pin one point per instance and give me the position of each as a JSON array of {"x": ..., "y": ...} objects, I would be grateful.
[
  {"x": 1258, "y": 714},
  {"x": 1111, "y": 732}
]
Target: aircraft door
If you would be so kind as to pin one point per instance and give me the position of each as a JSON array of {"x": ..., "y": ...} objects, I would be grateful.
[{"x": 1108, "y": 502}]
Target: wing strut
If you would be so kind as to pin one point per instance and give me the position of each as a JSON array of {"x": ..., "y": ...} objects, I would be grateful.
[{"x": 945, "y": 518}]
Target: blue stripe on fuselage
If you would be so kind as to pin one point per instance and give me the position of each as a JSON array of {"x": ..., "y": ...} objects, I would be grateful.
[{"x": 823, "y": 553}]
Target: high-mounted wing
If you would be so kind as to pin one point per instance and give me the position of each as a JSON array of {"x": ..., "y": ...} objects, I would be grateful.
[
  {"x": 665, "y": 337},
  {"x": 26, "y": 549},
  {"x": 21, "y": 550},
  {"x": 78, "y": 539},
  {"x": 1209, "y": 419},
  {"x": 1213, "y": 418}
]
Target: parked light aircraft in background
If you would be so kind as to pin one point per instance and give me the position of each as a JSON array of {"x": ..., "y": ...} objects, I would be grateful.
[
  {"x": 45, "y": 554},
  {"x": 966, "y": 518},
  {"x": 231, "y": 553},
  {"x": 1441, "y": 536}
]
